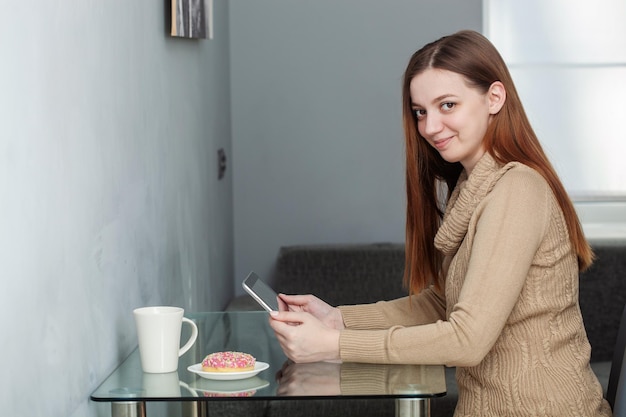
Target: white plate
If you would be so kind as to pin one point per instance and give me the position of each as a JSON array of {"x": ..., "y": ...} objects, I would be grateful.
[
  {"x": 240, "y": 388},
  {"x": 228, "y": 376}
]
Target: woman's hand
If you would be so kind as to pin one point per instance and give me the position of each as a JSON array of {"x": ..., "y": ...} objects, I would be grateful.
[
  {"x": 328, "y": 315},
  {"x": 303, "y": 337}
]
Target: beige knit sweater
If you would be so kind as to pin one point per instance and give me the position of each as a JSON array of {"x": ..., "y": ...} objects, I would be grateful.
[{"x": 509, "y": 320}]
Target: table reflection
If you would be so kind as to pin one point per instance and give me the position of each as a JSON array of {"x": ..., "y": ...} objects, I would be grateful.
[{"x": 347, "y": 379}]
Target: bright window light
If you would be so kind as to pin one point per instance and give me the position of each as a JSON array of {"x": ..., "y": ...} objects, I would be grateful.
[{"x": 568, "y": 60}]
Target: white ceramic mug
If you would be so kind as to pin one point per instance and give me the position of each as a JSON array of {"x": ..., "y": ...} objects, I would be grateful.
[{"x": 158, "y": 332}]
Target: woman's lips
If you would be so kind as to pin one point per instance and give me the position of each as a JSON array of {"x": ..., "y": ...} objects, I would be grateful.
[{"x": 442, "y": 143}]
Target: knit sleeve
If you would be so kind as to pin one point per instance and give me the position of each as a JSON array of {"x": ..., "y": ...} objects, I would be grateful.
[
  {"x": 507, "y": 231},
  {"x": 427, "y": 307}
]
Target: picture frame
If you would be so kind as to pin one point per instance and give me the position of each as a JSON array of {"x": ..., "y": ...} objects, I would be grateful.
[{"x": 192, "y": 19}]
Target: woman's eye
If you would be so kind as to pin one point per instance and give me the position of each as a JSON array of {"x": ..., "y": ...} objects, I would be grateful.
[
  {"x": 447, "y": 106},
  {"x": 419, "y": 113}
]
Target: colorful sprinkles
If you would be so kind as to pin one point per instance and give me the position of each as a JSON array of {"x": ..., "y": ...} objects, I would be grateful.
[{"x": 228, "y": 361}]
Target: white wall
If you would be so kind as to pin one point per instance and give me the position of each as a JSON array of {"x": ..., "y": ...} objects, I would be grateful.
[
  {"x": 317, "y": 136},
  {"x": 109, "y": 197}
]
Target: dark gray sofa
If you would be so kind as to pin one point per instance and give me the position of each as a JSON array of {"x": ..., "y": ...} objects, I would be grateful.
[{"x": 364, "y": 273}]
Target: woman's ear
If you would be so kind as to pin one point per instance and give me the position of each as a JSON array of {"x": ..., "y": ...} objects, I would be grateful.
[{"x": 497, "y": 96}]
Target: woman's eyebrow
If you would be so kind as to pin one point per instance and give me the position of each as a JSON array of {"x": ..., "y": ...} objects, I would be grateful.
[
  {"x": 442, "y": 97},
  {"x": 435, "y": 100}
]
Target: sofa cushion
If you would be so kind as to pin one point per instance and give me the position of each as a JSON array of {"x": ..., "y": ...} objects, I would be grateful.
[
  {"x": 602, "y": 299},
  {"x": 342, "y": 274}
]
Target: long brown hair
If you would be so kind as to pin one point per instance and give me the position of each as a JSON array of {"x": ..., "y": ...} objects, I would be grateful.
[{"x": 430, "y": 179}]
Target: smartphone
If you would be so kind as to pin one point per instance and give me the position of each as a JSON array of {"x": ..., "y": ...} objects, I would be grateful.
[{"x": 261, "y": 292}]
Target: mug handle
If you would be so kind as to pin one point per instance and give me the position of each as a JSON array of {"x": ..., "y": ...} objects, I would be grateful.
[
  {"x": 192, "y": 391},
  {"x": 192, "y": 338}
]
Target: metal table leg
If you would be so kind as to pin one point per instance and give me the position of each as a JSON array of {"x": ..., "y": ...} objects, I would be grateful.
[
  {"x": 413, "y": 407},
  {"x": 195, "y": 409},
  {"x": 128, "y": 409}
]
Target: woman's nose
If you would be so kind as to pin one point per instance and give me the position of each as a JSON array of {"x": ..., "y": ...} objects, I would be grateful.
[{"x": 432, "y": 124}]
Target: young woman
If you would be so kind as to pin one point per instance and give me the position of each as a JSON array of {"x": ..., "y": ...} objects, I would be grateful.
[{"x": 493, "y": 252}]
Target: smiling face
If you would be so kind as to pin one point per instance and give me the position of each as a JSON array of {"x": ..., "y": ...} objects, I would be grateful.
[{"x": 452, "y": 116}]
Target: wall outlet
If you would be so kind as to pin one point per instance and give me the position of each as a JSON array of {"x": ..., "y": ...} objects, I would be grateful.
[{"x": 221, "y": 163}]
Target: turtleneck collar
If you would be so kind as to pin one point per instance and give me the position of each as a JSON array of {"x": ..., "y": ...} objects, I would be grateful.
[{"x": 468, "y": 193}]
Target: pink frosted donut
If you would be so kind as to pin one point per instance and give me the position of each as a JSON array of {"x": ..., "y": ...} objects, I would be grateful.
[{"x": 228, "y": 362}]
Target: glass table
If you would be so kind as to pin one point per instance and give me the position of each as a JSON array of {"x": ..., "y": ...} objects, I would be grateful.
[{"x": 128, "y": 388}]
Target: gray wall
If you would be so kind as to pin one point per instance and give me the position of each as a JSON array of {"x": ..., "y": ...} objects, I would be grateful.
[
  {"x": 108, "y": 186},
  {"x": 317, "y": 138}
]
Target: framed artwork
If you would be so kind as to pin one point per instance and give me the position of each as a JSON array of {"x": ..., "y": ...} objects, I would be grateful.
[{"x": 192, "y": 19}]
